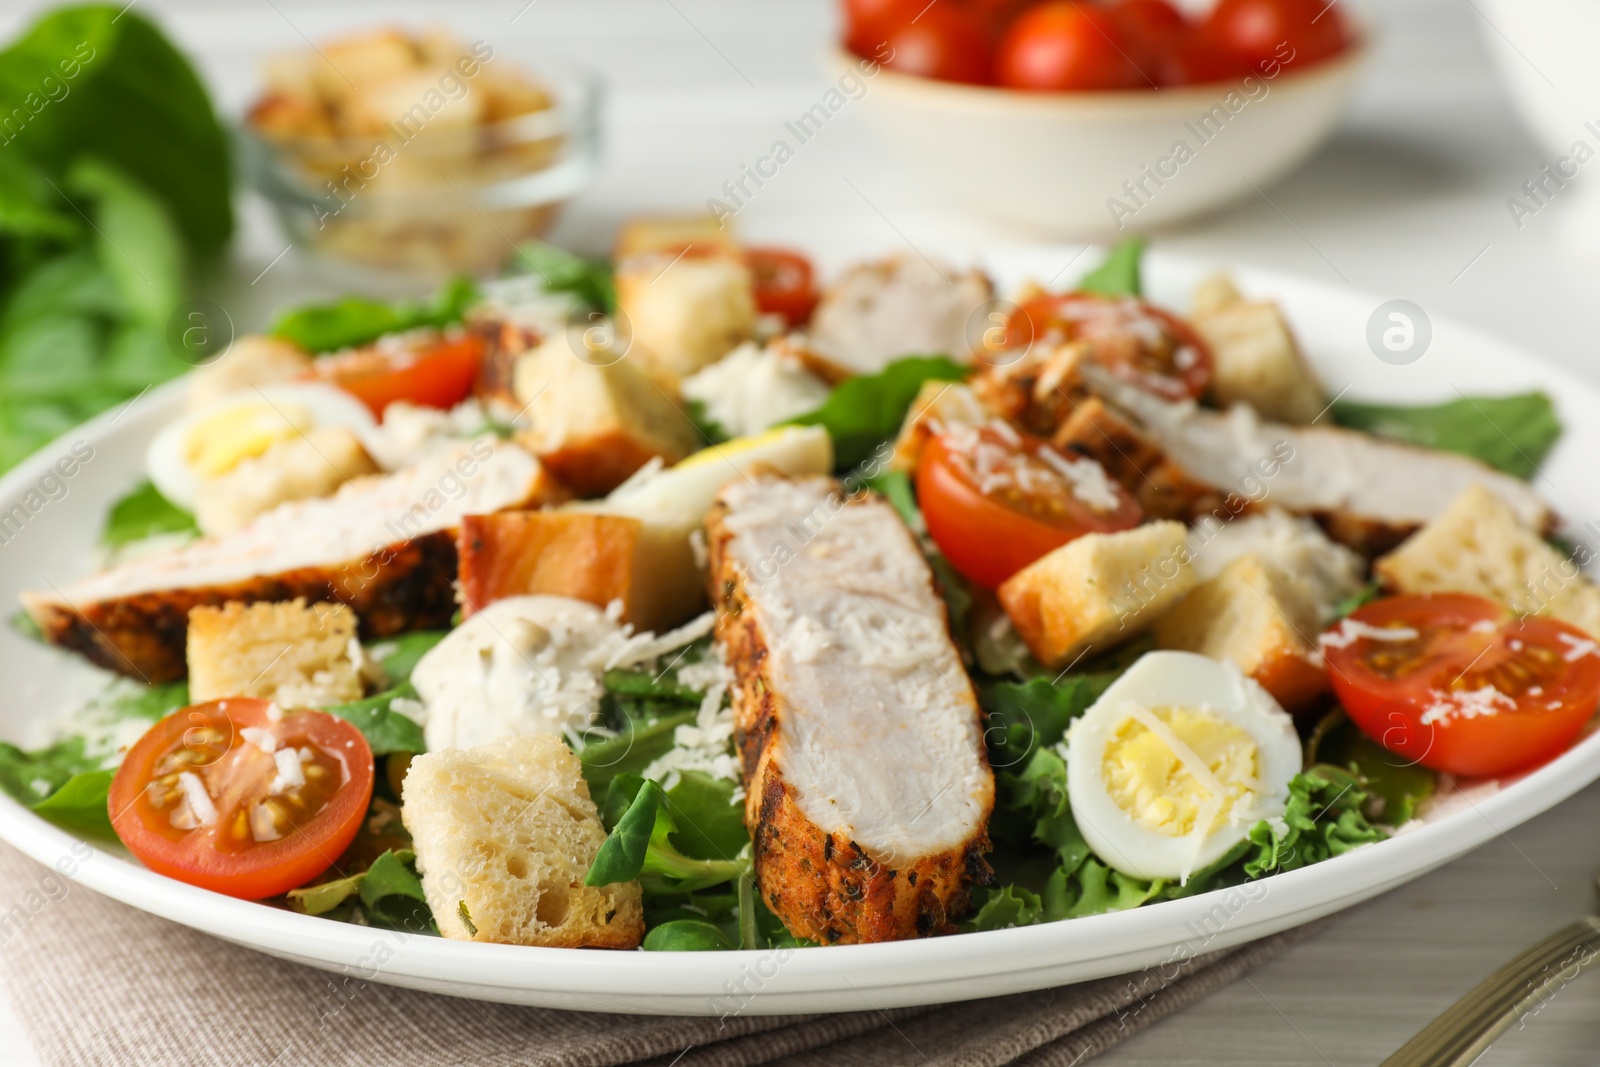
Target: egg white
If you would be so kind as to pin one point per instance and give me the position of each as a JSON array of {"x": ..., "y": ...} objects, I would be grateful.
[
  {"x": 1178, "y": 680},
  {"x": 179, "y": 482}
]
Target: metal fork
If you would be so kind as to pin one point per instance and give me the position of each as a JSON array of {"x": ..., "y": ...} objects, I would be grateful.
[{"x": 1467, "y": 1029}]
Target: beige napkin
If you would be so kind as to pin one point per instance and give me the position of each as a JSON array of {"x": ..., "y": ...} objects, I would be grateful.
[{"x": 97, "y": 982}]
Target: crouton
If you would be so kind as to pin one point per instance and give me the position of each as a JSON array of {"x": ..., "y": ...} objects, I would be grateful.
[
  {"x": 685, "y": 311},
  {"x": 642, "y": 237},
  {"x": 1253, "y": 615},
  {"x": 594, "y": 422},
  {"x": 1214, "y": 293},
  {"x": 301, "y": 467},
  {"x": 1098, "y": 590},
  {"x": 1480, "y": 546},
  {"x": 1322, "y": 573},
  {"x": 250, "y": 361},
  {"x": 294, "y": 654},
  {"x": 936, "y": 403},
  {"x": 1255, "y": 358},
  {"x": 583, "y": 555},
  {"x": 504, "y": 836}
]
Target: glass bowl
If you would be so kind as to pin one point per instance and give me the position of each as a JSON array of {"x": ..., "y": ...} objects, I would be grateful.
[{"x": 433, "y": 199}]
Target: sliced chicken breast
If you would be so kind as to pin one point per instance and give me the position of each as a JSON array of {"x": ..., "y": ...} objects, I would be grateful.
[
  {"x": 383, "y": 545},
  {"x": 860, "y": 737},
  {"x": 902, "y": 306},
  {"x": 1367, "y": 491}
]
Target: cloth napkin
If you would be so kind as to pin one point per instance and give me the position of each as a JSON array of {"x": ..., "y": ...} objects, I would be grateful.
[{"x": 96, "y": 982}]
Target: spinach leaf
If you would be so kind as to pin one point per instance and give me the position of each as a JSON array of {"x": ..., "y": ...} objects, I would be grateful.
[
  {"x": 865, "y": 412},
  {"x": 1118, "y": 275},
  {"x": 630, "y": 751},
  {"x": 29, "y": 777},
  {"x": 386, "y": 730},
  {"x": 144, "y": 512},
  {"x": 896, "y": 489},
  {"x": 621, "y": 858},
  {"x": 357, "y": 320},
  {"x": 641, "y": 847},
  {"x": 655, "y": 685},
  {"x": 134, "y": 101},
  {"x": 1324, "y": 819},
  {"x": 1509, "y": 433},
  {"x": 389, "y": 891},
  {"x": 590, "y": 280},
  {"x": 82, "y": 804},
  {"x": 687, "y": 935}
]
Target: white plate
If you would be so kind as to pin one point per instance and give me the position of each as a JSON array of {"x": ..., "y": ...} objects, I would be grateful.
[{"x": 54, "y": 544}]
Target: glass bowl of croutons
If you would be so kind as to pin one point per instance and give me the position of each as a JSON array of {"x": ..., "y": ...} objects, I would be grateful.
[{"x": 419, "y": 152}]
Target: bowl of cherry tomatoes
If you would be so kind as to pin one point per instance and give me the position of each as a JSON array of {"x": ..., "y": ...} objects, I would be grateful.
[{"x": 1090, "y": 117}]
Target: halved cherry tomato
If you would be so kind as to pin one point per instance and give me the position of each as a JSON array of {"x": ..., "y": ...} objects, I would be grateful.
[
  {"x": 785, "y": 284},
  {"x": 1291, "y": 32},
  {"x": 996, "y": 499},
  {"x": 439, "y": 374},
  {"x": 1065, "y": 45},
  {"x": 1459, "y": 684},
  {"x": 940, "y": 41},
  {"x": 200, "y": 798},
  {"x": 1137, "y": 341}
]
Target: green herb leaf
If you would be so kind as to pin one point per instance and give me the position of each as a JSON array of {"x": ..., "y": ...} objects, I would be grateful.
[
  {"x": 1509, "y": 433},
  {"x": 144, "y": 512},
  {"x": 466, "y": 918},
  {"x": 687, "y": 935},
  {"x": 590, "y": 280},
  {"x": 1118, "y": 275},
  {"x": 81, "y": 804},
  {"x": 356, "y": 320},
  {"x": 865, "y": 412},
  {"x": 385, "y": 729}
]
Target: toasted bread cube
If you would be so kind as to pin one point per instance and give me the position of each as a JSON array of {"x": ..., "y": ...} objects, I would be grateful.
[
  {"x": 1253, "y": 615},
  {"x": 372, "y": 106},
  {"x": 1256, "y": 358},
  {"x": 294, "y": 654},
  {"x": 250, "y": 361},
  {"x": 685, "y": 312},
  {"x": 1214, "y": 293},
  {"x": 594, "y": 422},
  {"x": 584, "y": 555},
  {"x": 301, "y": 467},
  {"x": 642, "y": 237},
  {"x": 505, "y": 834},
  {"x": 1479, "y": 546},
  {"x": 1098, "y": 590},
  {"x": 937, "y": 403}
]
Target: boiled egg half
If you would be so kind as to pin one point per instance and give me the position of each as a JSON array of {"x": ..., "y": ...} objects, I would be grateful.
[
  {"x": 206, "y": 444},
  {"x": 1174, "y": 764}
]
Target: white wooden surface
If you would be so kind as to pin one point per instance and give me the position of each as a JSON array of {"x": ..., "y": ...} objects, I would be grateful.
[{"x": 1409, "y": 201}]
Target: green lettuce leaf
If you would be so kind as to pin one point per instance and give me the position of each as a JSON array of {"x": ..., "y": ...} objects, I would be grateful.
[
  {"x": 356, "y": 320},
  {"x": 389, "y": 892},
  {"x": 1324, "y": 819},
  {"x": 590, "y": 280},
  {"x": 1394, "y": 788},
  {"x": 630, "y": 751},
  {"x": 82, "y": 804},
  {"x": 1022, "y": 717},
  {"x": 136, "y": 243},
  {"x": 143, "y": 512},
  {"x": 1118, "y": 275},
  {"x": 865, "y": 412},
  {"x": 1509, "y": 433}
]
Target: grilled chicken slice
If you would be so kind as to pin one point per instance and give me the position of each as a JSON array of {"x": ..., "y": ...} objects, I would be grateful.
[
  {"x": 1368, "y": 492},
  {"x": 902, "y": 306},
  {"x": 860, "y": 737},
  {"x": 384, "y": 545}
]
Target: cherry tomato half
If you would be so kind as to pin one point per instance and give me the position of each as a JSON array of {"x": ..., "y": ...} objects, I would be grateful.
[
  {"x": 1137, "y": 341},
  {"x": 200, "y": 797},
  {"x": 1459, "y": 684},
  {"x": 996, "y": 499},
  {"x": 1064, "y": 45},
  {"x": 436, "y": 375},
  {"x": 1290, "y": 32},
  {"x": 785, "y": 284}
]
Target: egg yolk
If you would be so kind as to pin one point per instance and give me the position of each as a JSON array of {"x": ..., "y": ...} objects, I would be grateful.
[
  {"x": 1165, "y": 776},
  {"x": 220, "y": 442}
]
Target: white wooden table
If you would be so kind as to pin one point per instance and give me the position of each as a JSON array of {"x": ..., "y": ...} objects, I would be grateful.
[{"x": 1409, "y": 201}]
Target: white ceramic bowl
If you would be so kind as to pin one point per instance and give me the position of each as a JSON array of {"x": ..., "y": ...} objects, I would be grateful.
[
  {"x": 1091, "y": 164},
  {"x": 1544, "y": 50}
]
